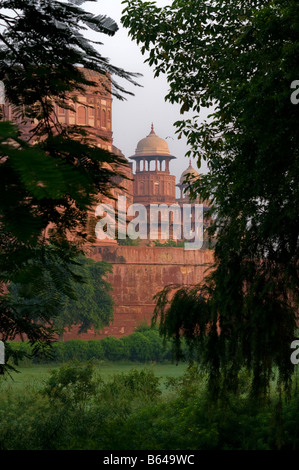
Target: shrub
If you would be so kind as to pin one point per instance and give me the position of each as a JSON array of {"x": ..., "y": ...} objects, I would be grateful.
[
  {"x": 95, "y": 350},
  {"x": 145, "y": 344},
  {"x": 73, "y": 384},
  {"x": 28, "y": 421},
  {"x": 159, "y": 351},
  {"x": 76, "y": 350},
  {"x": 133, "y": 384},
  {"x": 137, "y": 347},
  {"x": 113, "y": 349},
  {"x": 59, "y": 351}
]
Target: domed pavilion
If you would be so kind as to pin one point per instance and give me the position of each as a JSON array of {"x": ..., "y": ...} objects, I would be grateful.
[
  {"x": 188, "y": 176},
  {"x": 153, "y": 183}
]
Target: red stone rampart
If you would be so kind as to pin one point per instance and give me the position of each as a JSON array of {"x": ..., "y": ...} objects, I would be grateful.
[{"x": 138, "y": 274}]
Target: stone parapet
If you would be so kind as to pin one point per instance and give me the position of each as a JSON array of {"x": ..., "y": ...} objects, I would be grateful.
[{"x": 138, "y": 274}]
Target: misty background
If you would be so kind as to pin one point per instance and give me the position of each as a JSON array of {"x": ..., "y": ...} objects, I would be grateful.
[{"x": 132, "y": 118}]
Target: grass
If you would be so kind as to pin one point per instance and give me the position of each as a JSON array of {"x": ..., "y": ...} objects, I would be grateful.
[
  {"x": 181, "y": 418},
  {"x": 34, "y": 376}
]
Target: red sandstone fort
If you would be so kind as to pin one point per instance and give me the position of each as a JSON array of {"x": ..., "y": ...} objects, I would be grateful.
[{"x": 139, "y": 272}]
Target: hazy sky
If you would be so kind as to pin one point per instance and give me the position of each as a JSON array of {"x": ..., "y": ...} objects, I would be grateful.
[{"x": 131, "y": 119}]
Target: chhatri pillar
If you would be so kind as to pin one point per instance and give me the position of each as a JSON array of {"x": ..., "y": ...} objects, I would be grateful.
[{"x": 146, "y": 181}]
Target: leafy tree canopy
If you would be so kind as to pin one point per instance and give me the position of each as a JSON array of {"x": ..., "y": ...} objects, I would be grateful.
[
  {"x": 93, "y": 305},
  {"x": 239, "y": 58},
  {"x": 56, "y": 175},
  {"x": 87, "y": 303}
]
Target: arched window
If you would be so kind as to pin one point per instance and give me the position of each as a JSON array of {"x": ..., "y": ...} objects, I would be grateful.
[
  {"x": 109, "y": 118},
  {"x": 104, "y": 120},
  {"x": 141, "y": 188},
  {"x": 156, "y": 188},
  {"x": 81, "y": 115}
]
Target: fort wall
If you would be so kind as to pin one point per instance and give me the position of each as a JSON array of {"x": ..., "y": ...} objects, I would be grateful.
[{"x": 138, "y": 274}]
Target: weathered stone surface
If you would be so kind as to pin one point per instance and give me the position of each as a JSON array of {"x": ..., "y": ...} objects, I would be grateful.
[{"x": 138, "y": 274}]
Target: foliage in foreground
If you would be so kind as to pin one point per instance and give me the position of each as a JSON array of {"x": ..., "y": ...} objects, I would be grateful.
[
  {"x": 144, "y": 345},
  {"x": 90, "y": 307},
  {"x": 53, "y": 175},
  {"x": 77, "y": 409},
  {"x": 239, "y": 59}
]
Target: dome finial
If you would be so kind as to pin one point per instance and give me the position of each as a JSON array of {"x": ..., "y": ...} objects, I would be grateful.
[
  {"x": 190, "y": 164},
  {"x": 152, "y": 128}
]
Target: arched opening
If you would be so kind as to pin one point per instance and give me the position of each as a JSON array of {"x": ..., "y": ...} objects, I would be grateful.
[
  {"x": 156, "y": 188},
  {"x": 81, "y": 115},
  {"x": 104, "y": 119},
  {"x": 141, "y": 188}
]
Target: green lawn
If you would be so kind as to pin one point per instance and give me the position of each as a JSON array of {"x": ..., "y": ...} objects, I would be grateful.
[{"x": 34, "y": 376}]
